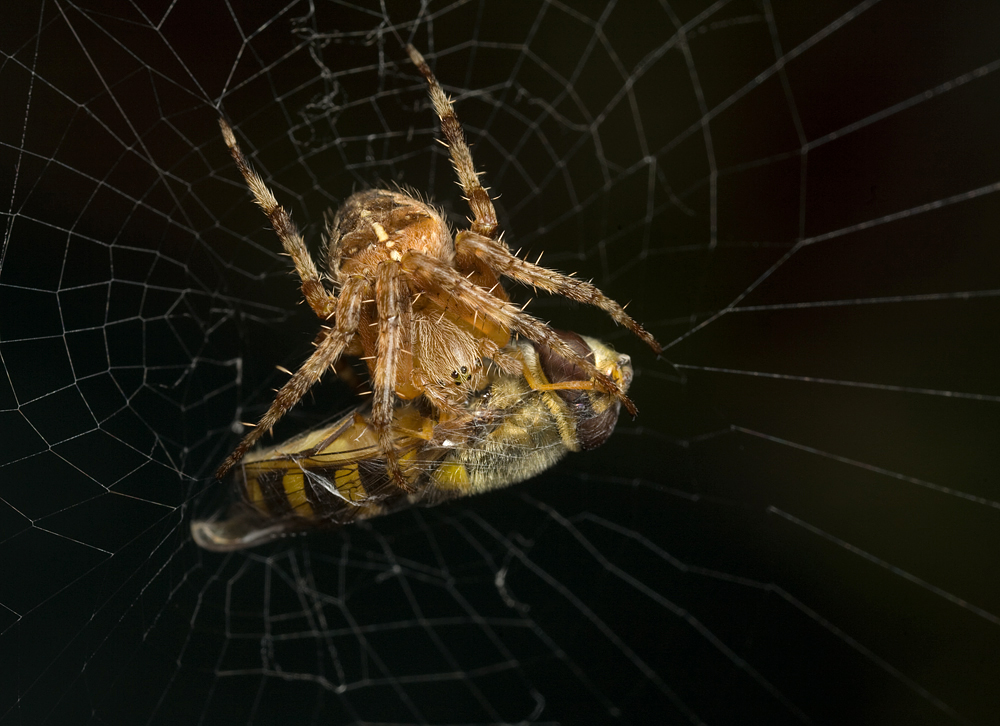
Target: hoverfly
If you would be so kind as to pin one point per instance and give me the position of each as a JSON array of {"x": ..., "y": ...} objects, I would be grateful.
[{"x": 515, "y": 427}]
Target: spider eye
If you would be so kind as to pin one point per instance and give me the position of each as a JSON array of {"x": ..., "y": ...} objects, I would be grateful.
[{"x": 461, "y": 376}]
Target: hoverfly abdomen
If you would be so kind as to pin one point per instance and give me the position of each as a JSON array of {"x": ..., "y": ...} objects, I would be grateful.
[
  {"x": 324, "y": 478},
  {"x": 339, "y": 479},
  {"x": 273, "y": 492}
]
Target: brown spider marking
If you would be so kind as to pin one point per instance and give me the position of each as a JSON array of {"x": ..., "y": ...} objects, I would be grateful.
[{"x": 426, "y": 312}]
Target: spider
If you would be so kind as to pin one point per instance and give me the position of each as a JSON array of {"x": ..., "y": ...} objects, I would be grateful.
[{"x": 426, "y": 310}]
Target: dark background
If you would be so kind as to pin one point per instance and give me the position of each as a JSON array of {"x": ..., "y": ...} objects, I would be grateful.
[{"x": 801, "y": 524}]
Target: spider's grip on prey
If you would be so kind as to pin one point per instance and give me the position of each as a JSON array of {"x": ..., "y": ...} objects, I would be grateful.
[{"x": 423, "y": 309}]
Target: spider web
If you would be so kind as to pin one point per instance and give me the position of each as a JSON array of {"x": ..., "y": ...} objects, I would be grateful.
[{"x": 799, "y": 199}]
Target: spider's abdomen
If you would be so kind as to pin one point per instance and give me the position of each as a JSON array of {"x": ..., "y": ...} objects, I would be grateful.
[{"x": 377, "y": 225}]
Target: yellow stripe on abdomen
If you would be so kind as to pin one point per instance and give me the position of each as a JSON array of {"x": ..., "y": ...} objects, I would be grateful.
[
  {"x": 348, "y": 483},
  {"x": 254, "y": 495},
  {"x": 294, "y": 484}
]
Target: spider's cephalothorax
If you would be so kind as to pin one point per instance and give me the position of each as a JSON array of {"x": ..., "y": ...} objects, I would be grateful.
[{"x": 424, "y": 310}]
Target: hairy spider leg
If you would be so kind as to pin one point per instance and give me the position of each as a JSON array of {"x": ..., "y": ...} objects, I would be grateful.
[
  {"x": 498, "y": 257},
  {"x": 393, "y": 300},
  {"x": 323, "y": 358},
  {"x": 485, "y": 222},
  {"x": 322, "y": 302}
]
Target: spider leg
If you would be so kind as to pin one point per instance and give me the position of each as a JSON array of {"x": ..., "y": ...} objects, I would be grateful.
[
  {"x": 321, "y": 301},
  {"x": 450, "y": 289},
  {"x": 324, "y": 357},
  {"x": 392, "y": 297},
  {"x": 499, "y": 258},
  {"x": 461, "y": 157}
]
